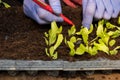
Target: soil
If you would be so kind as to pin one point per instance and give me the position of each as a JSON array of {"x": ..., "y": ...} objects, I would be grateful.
[
  {"x": 22, "y": 38},
  {"x": 43, "y": 76}
]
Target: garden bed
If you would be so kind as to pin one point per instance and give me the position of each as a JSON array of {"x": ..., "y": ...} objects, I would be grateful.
[{"x": 21, "y": 38}]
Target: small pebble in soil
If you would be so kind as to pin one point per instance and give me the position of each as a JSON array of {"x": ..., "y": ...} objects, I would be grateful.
[{"x": 6, "y": 37}]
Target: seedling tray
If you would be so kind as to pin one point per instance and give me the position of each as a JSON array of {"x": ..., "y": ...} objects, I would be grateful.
[{"x": 19, "y": 65}]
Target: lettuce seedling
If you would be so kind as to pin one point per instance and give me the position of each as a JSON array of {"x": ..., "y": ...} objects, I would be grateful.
[
  {"x": 101, "y": 46},
  {"x": 102, "y": 41},
  {"x": 72, "y": 31},
  {"x": 53, "y": 39},
  {"x": 80, "y": 50},
  {"x": 115, "y": 50},
  {"x": 5, "y": 4},
  {"x": 72, "y": 48},
  {"x": 53, "y": 32},
  {"x": 112, "y": 42}
]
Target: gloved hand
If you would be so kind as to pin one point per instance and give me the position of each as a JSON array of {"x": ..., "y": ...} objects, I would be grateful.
[
  {"x": 99, "y": 9},
  {"x": 32, "y": 10},
  {"x": 72, "y": 3}
]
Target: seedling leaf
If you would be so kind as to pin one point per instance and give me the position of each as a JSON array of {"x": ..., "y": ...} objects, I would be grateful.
[
  {"x": 101, "y": 46},
  {"x": 53, "y": 33},
  {"x": 91, "y": 29},
  {"x": 116, "y": 34},
  {"x": 59, "y": 30},
  {"x": 110, "y": 26},
  {"x": 72, "y": 31},
  {"x": 73, "y": 39},
  {"x": 46, "y": 41},
  {"x": 6, "y": 5},
  {"x": 55, "y": 55},
  {"x": 112, "y": 42},
  {"x": 59, "y": 41},
  {"x": 80, "y": 50},
  {"x": 46, "y": 51},
  {"x": 85, "y": 35},
  {"x": 105, "y": 39},
  {"x": 92, "y": 51},
  {"x": 46, "y": 34},
  {"x": 113, "y": 52},
  {"x": 71, "y": 46},
  {"x": 51, "y": 51},
  {"x": 100, "y": 31}
]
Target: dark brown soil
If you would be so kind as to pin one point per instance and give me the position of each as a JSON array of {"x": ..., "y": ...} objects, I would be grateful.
[{"x": 22, "y": 38}]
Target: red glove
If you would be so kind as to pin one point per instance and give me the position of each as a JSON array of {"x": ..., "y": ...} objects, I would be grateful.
[{"x": 72, "y": 3}]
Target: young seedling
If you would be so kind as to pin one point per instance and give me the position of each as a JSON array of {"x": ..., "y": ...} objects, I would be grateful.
[
  {"x": 5, "y": 4},
  {"x": 105, "y": 38},
  {"x": 53, "y": 40}
]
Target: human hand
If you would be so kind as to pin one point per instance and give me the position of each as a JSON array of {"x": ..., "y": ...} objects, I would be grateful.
[
  {"x": 105, "y": 9},
  {"x": 32, "y": 10},
  {"x": 72, "y": 3}
]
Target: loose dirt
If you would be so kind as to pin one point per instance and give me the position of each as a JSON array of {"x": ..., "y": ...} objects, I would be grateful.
[{"x": 22, "y": 38}]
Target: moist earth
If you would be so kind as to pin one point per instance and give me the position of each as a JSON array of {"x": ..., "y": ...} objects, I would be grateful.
[{"x": 21, "y": 38}]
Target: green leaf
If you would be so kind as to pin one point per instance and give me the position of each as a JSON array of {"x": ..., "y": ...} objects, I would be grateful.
[
  {"x": 72, "y": 52},
  {"x": 118, "y": 47},
  {"x": 118, "y": 28},
  {"x": 105, "y": 39},
  {"x": 46, "y": 34},
  {"x": 46, "y": 51},
  {"x": 59, "y": 41},
  {"x": 100, "y": 31},
  {"x": 116, "y": 34},
  {"x": 53, "y": 33},
  {"x": 71, "y": 46},
  {"x": 46, "y": 41},
  {"x": 59, "y": 30},
  {"x": 51, "y": 51},
  {"x": 92, "y": 51},
  {"x": 78, "y": 39},
  {"x": 72, "y": 31},
  {"x": 91, "y": 29},
  {"x": 85, "y": 35},
  {"x": 110, "y": 26},
  {"x": 113, "y": 52},
  {"x": 101, "y": 46},
  {"x": 112, "y": 42},
  {"x": 55, "y": 55},
  {"x": 6, "y": 5},
  {"x": 73, "y": 39},
  {"x": 110, "y": 33},
  {"x": 65, "y": 40},
  {"x": 80, "y": 50}
]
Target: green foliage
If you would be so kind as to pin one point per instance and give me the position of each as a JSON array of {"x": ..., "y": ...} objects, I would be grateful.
[
  {"x": 72, "y": 31},
  {"x": 101, "y": 46},
  {"x": 5, "y": 4},
  {"x": 71, "y": 46},
  {"x": 112, "y": 42},
  {"x": 85, "y": 34},
  {"x": 81, "y": 42},
  {"x": 53, "y": 39},
  {"x": 80, "y": 50},
  {"x": 105, "y": 35}
]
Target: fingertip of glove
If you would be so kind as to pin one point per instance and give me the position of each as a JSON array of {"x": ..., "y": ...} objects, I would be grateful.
[{"x": 86, "y": 25}]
